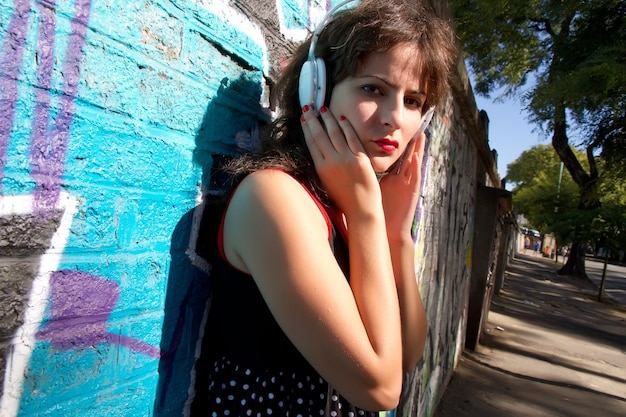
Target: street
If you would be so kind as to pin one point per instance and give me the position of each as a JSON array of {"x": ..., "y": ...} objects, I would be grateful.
[{"x": 615, "y": 284}]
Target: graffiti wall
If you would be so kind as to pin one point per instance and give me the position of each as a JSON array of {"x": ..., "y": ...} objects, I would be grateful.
[{"x": 113, "y": 116}]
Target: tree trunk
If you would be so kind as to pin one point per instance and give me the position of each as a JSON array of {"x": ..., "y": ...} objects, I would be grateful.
[
  {"x": 587, "y": 184},
  {"x": 575, "y": 265}
]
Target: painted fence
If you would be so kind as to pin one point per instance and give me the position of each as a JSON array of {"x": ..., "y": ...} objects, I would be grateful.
[{"x": 113, "y": 115}]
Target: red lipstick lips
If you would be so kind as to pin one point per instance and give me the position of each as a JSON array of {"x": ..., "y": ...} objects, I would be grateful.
[{"x": 387, "y": 145}]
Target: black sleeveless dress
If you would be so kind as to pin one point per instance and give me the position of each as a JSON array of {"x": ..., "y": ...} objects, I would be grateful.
[{"x": 248, "y": 366}]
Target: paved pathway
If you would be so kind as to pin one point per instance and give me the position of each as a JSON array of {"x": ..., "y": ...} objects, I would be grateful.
[{"x": 549, "y": 349}]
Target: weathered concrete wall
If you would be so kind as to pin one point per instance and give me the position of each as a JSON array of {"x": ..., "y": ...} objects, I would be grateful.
[{"x": 112, "y": 115}]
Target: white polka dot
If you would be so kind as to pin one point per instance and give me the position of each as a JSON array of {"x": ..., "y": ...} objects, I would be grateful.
[
  {"x": 333, "y": 414},
  {"x": 231, "y": 397},
  {"x": 334, "y": 398},
  {"x": 248, "y": 372},
  {"x": 299, "y": 401},
  {"x": 269, "y": 411},
  {"x": 233, "y": 383},
  {"x": 226, "y": 412},
  {"x": 218, "y": 400},
  {"x": 246, "y": 386},
  {"x": 270, "y": 396}
]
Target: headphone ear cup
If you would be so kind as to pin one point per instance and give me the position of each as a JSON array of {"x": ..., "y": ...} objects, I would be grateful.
[
  {"x": 426, "y": 118},
  {"x": 306, "y": 84},
  {"x": 320, "y": 86},
  {"x": 312, "y": 84}
]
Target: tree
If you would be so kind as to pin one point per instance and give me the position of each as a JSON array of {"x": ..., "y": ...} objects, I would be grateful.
[
  {"x": 575, "y": 52},
  {"x": 548, "y": 198},
  {"x": 545, "y": 193}
]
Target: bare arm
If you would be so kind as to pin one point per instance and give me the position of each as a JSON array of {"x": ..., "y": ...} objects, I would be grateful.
[
  {"x": 350, "y": 333},
  {"x": 400, "y": 196}
]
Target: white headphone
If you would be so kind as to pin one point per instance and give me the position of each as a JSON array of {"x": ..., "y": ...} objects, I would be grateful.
[
  {"x": 312, "y": 82},
  {"x": 312, "y": 85}
]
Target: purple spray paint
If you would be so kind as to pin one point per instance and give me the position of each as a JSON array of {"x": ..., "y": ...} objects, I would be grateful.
[
  {"x": 81, "y": 304},
  {"x": 12, "y": 55}
]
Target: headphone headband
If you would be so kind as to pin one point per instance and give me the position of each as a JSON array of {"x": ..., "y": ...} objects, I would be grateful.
[
  {"x": 322, "y": 25},
  {"x": 312, "y": 83}
]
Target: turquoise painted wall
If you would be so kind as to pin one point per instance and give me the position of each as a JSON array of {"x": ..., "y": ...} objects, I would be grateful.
[{"x": 112, "y": 116}]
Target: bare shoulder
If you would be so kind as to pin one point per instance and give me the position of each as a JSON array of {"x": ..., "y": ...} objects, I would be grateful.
[{"x": 269, "y": 204}]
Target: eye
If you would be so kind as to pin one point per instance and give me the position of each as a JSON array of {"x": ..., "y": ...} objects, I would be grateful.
[
  {"x": 413, "y": 103},
  {"x": 371, "y": 89}
]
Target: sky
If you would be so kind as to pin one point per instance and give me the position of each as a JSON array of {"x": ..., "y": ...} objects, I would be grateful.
[{"x": 510, "y": 133}]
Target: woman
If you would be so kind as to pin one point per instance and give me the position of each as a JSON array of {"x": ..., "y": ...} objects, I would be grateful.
[{"x": 315, "y": 307}]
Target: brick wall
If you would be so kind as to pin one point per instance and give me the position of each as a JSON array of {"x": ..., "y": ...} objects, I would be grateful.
[{"x": 112, "y": 115}]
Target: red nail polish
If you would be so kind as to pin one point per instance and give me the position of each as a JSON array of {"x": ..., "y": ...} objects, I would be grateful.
[
  {"x": 305, "y": 108},
  {"x": 342, "y": 118},
  {"x": 302, "y": 119},
  {"x": 324, "y": 109}
]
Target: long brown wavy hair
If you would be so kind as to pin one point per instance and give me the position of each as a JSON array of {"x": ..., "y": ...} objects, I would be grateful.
[{"x": 373, "y": 26}]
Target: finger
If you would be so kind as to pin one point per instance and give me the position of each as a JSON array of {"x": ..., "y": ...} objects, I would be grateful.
[
  {"x": 420, "y": 143},
  {"x": 418, "y": 156},
  {"x": 335, "y": 132},
  {"x": 314, "y": 149},
  {"x": 316, "y": 136},
  {"x": 352, "y": 139},
  {"x": 400, "y": 166},
  {"x": 414, "y": 155}
]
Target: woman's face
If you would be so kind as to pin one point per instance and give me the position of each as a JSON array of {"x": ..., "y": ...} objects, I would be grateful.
[{"x": 383, "y": 102}]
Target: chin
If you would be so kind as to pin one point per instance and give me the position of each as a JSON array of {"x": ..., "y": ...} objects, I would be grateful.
[{"x": 380, "y": 167}]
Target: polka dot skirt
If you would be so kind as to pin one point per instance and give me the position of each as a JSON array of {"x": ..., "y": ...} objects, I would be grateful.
[{"x": 240, "y": 392}]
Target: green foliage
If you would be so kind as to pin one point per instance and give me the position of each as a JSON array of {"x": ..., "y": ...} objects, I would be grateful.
[
  {"x": 552, "y": 206},
  {"x": 544, "y": 192},
  {"x": 575, "y": 51}
]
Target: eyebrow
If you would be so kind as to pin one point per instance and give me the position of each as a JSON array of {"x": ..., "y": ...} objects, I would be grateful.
[{"x": 390, "y": 84}]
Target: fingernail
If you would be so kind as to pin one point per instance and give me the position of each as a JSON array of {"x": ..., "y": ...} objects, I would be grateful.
[
  {"x": 302, "y": 119},
  {"x": 305, "y": 108},
  {"x": 324, "y": 109},
  {"x": 342, "y": 118}
]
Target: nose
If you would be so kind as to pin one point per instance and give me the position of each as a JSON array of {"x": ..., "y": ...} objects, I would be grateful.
[{"x": 392, "y": 112}]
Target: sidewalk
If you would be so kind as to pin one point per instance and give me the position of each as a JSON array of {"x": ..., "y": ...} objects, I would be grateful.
[{"x": 549, "y": 349}]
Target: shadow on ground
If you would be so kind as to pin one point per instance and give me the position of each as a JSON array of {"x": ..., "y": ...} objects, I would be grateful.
[{"x": 549, "y": 349}]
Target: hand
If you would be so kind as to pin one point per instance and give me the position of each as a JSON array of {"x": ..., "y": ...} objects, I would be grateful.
[
  {"x": 341, "y": 162},
  {"x": 401, "y": 190}
]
